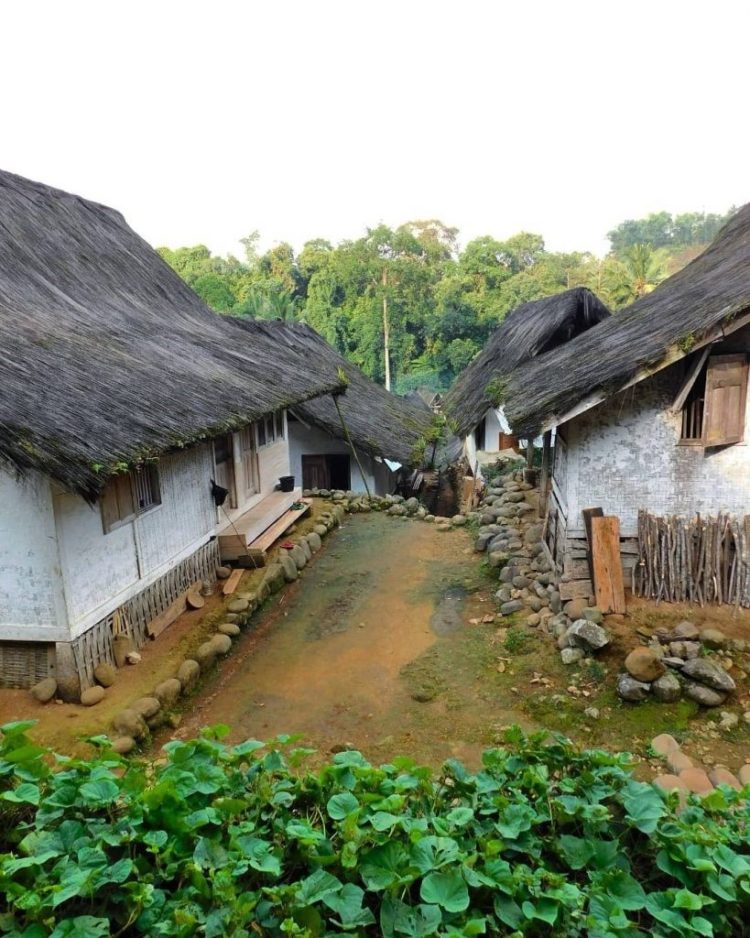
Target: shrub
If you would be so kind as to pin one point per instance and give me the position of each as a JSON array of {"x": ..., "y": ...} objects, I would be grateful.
[{"x": 240, "y": 840}]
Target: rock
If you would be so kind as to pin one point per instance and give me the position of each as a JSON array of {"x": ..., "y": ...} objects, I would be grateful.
[
  {"x": 630, "y": 689},
  {"x": 306, "y": 550},
  {"x": 45, "y": 690},
  {"x": 705, "y": 696},
  {"x": 729, "y": 720},
  {"x": 238, "y": 605},
  {"x": 288, "y": 566},
  {"x": 92, "y": 696},
  {"x": 696, "y": 780},
  {"x": 321, "y": 530},
  {"x": 313, "y": 539},
  {"x": 707, "y": 672},
  {"x": 677, "y": 663},
  {"x": 130, "y": 723},
  {"x": 574, "y": 609},
  {"x": 571, "y": 655},
  {"x": 644, "y": 665},
  {"x": 168, "y": 692},
  {"x": 188, "y": 673},
  {"x": 274, "y": 578},
  {"x": 480, "y": 544},
  {"x": 592, "y": 713},
  {"x": 397, "y": 510},
  {"x": 503, "y": 595},
  {"x": 685, "y": 631},
  {"x": 223, "y": 573},
  {"x": 105, "y": 674},
  {"x": 533, "y": 620},
  {"x": 122, "y": 645},
  {"x": 692, "y": 649},
  {"x": 663, "y": 744},
  {"x": 677, "y": 761},
  {"x": 458, "y": 521},
  {"x": 133, "y": 657},
  {"x": 520, "y": 582},
  {"x": 555, "y": 602},
  {"x": 722, "y": 776},
  {"x": 205, "y": 655},
  {"x": 411, "y": 504},
  {"x": 515, "y": 605},
  {"x": 228, "y": 628},
  {"x": 222, "y": 644},
  {"x": 593, "y": 614},
  {"x": 587, "y": 635},
  {"x": 744, "y": 774},
  {"x": 666, "y": 689},
  {"x": 147, "y": 707},
  {"x": 298, "y": 556},
  {"x": 669, "y": 783},
  {"x": 123, "y": 745},
  {"x": 713, "y": 638}
]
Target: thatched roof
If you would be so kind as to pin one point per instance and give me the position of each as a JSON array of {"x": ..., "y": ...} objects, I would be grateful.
[
  {"x": 528, "y": 331},
  {"x": 380, "y": 423},
  {"x": 107, "y": 357},
  {"x": 654, "y": 331}
]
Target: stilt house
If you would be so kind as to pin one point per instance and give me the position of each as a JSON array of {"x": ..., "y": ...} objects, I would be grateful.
[
  {"x": 651, "y": 419},
  {"x": 122, "y": 399},
  {"x": 475, "y": 402}
]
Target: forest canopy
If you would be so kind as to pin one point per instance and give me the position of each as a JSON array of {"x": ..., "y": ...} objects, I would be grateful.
[{"x": 414, "y": 291}]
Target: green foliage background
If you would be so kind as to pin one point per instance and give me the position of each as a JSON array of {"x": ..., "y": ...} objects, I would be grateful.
[
  {"x": 215, "y": 840},
  {"x": 443, "y": 301}
]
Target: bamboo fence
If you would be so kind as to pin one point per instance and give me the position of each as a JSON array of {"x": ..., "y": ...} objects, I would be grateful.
[{"x": 699, "y": 560}]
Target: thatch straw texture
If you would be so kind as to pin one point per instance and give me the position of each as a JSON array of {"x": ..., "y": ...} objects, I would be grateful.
[
  {"x": 711, "y": 290},
  {"x": 106, "y": 356},
  {"x": 380, "y": 423},
  {"x": 528, "y": 331}
]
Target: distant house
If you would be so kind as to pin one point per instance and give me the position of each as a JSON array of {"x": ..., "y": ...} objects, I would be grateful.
[
  {"x": 122, "y": 396},
  {"x": 474, "y": 401},
  {"x": 388, "y": 432},
  {"x": 650, "y": 409}
]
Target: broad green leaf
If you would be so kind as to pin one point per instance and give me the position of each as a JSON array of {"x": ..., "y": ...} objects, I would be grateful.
[
  {"x": 83, "y": 926},
  {"x": 316, "y": 887},
  {"x": 341, "y": 806},
  {"x": 100, "y": 791},
  {"x": 259, "y": 854},
  {"x": 543, "y": 909},
  {"x": 685, "y": 899},
  {"x": 448, "y": 890},
  {"x": 348, "y": 905},
  {"x": 381, "y": 867},
  {"x": 25, "y": 793},
  {"x": 644, "y": 804}
]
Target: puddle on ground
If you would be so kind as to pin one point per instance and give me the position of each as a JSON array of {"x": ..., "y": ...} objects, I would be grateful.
[{"x": 448, "y": 617}]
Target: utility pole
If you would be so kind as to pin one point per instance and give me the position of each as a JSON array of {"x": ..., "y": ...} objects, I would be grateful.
[{"x": 386, "y": 330}]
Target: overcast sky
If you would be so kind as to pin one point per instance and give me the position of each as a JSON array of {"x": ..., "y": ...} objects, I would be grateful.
[{"x": 203, "y": 121}]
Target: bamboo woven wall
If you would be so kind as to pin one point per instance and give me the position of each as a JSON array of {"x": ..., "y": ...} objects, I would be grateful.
[{"x": 699, "y": 560}]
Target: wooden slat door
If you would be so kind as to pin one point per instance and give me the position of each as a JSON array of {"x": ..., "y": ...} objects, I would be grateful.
[
  {"x": 605, "y": 557},
  {"x": 726, "y": 395}
]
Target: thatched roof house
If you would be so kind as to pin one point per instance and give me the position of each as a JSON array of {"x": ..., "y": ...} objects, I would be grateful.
[
  {"x": 380, "y": 423},
  {"x": 682, "y": 313},
  {"x": 528, "y": 331},
  {"x": 107, "y": 357}
]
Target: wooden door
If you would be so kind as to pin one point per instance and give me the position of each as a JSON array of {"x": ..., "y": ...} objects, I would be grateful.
[
  {"x": 315, "y": 474},
  {"x": 224, "y": 461},
  {"x": 250, "y": 467}
]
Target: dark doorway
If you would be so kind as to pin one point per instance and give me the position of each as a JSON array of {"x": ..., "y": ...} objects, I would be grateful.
[
  {"x": 479, "y": 439},
  {"x": 331, "y": 471}
]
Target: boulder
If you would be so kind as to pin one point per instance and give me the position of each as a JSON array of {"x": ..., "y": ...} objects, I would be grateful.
[
  {"x": 669, "y": 782},
  {"x": 630, "y": 689},
  {"x": 555, "y": 603},
  {"x": 302, "y": 543},
  {"x": 130, "y": 723},
  {"x": 45, "y": 690},
  {"x": 105, "y": 674},
  {"x": 223, "y": 573},
  {"x": 705, "y": 696},
  {"x": 677, "y": 761},
  {"x": 188, "y": 673},
  {"x": 713, "y": 638},
  {"x": 685, "y": 631},
  {"x": 593, "y": 614},
  {"x": 288, "y": 566},
  {"x": 168, "y": 692},
  {"x": 313, "y": 539},
  {"x": 696, "y": 780},
  {"x": 274, "y": 578},
  {"x": 575, "y": 608},
  {"x": 411, "y": 504},
  {"x": 667, "y": 689},
  {"x": 222, "y": 644},
  {"x": 722, "y": 776},
  {"x": 533, "y": 534},
  {"x": 533, "y": 620},
  {"x": 205, "y": 655},
  {"x": 515, "y": 605},
  {"x": 458, "y": 521},
  {"x": 571, "y": 655},
  {"x": 147, "y": 707},
  {"x": 663, "y": 744},
  {"x": 92, "y": 696},
  {"x": 692, "y": 649},
  {"x": 321, "y": 530},
  {"x": 228, "y": 628},
  {"x": 299, "y": 556},
  {"x": 644, "y": 664},
  {"x": 482, "y": 541},
  {"x": 707, "y": 672},
  {"x": 586, "y": 635},
  {"x": 123, "y": 745},
  {"x": 238, "y": 605},
  {"x": 677, "y": 663}
]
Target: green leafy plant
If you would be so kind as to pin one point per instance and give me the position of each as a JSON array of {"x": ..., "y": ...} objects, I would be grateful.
[
  {"x": 517, "y": 640},
  {"x": 213, "y": 840}
]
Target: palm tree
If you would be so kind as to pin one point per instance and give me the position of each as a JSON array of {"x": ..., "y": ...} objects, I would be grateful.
[{"x": 638, "y": 271}]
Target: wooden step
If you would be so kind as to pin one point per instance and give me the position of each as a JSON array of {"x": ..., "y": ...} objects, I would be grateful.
[{"x": 275, "y": 531}]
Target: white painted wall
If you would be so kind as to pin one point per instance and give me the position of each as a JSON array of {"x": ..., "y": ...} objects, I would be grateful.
[
  {"x": 101, "y": 571},
  {"x": 625, "y": 455},
  {"x": 32, "y": 604},
  {"x": 312, "y": 441}
]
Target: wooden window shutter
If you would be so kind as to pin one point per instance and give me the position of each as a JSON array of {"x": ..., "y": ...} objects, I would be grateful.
[
  {"x": 108, "y": 503},
  {"x": 726, "y": 394}
]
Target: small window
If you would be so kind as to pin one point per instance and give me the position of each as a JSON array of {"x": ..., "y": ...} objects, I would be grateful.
[
  {"x": 714, "y": 411},
  {"x": 127, "y": 495},
  {"x": 279, "y": 424}
]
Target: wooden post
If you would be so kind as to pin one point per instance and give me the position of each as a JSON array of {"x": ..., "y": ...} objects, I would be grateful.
[
  {"x": 351, "y": 445},
  {"x": 605, "y": 554},
  {"x": 530, "y": 453},
  {"x": 544, "y": 481}
]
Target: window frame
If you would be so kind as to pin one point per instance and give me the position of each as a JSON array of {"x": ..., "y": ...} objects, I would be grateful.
[{"x": 122, "y": 491}]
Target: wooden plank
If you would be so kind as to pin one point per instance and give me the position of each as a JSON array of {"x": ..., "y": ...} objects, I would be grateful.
[
  {"x": 156, "y": 626},
  {"x": 576, "y": 569},
  {"x": 690, "y": 379},
  {"x": 575, "y": 589},
  {"x": 588, "y": 514},
  {"x": 232, "y": 582},
  {"x": 274, "y": 532},
  {"x": 605, "y": 555}
]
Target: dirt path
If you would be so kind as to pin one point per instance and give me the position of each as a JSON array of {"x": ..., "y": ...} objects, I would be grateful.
[{"x": 341, "y": 659}]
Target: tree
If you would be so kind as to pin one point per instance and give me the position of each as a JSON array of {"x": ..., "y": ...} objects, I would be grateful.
[{"x": 638, "y": 272}]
